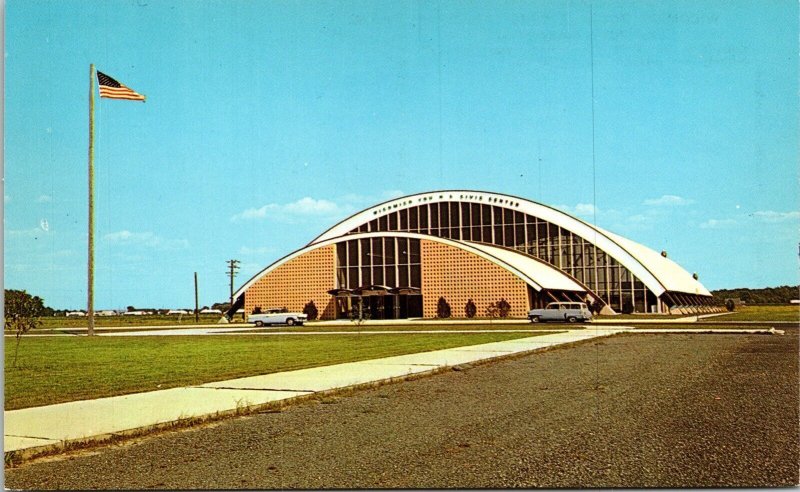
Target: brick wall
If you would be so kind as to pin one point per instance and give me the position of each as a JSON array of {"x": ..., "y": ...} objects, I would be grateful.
[
  {"x": 307, "y": 277},
  {"x": 457, "y": 276}
]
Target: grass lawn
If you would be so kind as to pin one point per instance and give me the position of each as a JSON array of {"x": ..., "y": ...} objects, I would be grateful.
[
  {"x": 762, "y": 313},
  {"x": 58, "y": 369},
  {"x": 154, "y": 320},
  {"x": 527, "y": 326}
]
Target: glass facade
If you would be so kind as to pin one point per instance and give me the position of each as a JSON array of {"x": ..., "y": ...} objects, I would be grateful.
[
  {"x": 393, "y": 262},
  {"x": 502, "y": 226}
]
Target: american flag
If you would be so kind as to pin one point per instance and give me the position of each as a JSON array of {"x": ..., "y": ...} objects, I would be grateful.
[{"x": 112, "y": 89}]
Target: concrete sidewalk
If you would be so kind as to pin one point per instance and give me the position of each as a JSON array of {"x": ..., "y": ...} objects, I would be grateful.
[{"x": 39, "y": 428}]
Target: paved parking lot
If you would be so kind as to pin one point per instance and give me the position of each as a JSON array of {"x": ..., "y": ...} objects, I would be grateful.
[{"x": 627, "y": 411}]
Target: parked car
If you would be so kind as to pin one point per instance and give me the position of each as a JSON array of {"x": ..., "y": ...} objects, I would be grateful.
[
  {"x": 571, "y": 312},
  {"x": 277, "y": 317}
]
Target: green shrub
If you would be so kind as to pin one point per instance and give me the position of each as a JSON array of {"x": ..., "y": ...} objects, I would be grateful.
[
  {"x": 443, "y": 308},
  {"x": 503, "y": 308},
  {"x": 310, "y": 310},
  {"x": 470, "y": 310}
]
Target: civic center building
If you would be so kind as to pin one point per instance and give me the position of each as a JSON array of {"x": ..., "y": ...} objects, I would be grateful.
[{"x": 399, "y": 257}]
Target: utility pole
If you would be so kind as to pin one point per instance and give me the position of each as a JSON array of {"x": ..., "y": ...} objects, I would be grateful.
[
  {"x": 233, "y": 266},
  {"x": 196, "y": 304}
]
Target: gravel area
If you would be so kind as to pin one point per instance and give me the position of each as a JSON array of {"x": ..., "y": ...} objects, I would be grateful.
[{"x": 627, "y": 411}]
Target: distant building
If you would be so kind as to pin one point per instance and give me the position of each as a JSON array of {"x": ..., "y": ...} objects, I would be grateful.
[{"x": 399, "y": 257}]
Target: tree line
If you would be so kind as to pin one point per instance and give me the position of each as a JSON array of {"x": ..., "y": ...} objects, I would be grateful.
[{"x": 767, "y": 295}]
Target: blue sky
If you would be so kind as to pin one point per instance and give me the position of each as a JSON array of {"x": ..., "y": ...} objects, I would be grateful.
[{"x": 268, "y": 121}]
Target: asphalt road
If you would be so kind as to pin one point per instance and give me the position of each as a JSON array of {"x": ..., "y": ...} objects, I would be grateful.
[{"x": 627, "y": 411}]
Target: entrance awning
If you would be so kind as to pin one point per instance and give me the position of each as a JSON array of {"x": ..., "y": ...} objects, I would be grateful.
[
  {"x": 371, "y": 290},
  {"x": 341, "y": 292},
  {"x": 405, "y": 290}
]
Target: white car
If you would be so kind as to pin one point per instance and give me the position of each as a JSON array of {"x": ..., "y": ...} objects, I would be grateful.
[
  {"x": 277, "y": 317},
  {"x": 570, "y": 312}
]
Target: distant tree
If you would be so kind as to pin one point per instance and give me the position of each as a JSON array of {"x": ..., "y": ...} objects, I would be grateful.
[
  {"x": 310, "y": 310},
  {"x": 131, "y": 308},
  {"x": 22, "y": 312},
  {"x": 470, "y": 310},
  {"x": 730, "y": 305},
  {"x": 503, "y": 308},
  {"x": 443, "y": 308},
  {"x": 222, "y": 306},
  {"x": 768, "y": 295}
]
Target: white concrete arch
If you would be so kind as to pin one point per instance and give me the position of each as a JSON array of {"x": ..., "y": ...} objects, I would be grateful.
[
  {"x": 658, "y": 273},
  {"x": 533, "y": 272}
]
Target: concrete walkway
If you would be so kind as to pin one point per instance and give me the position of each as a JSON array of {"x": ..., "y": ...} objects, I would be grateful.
[{"x": 39, "y": 428}]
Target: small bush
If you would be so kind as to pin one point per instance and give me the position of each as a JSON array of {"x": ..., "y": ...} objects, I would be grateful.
[
  {"x": 730, "y": 305},
  {"x": 310, "y": 310},
  {"x": 503, "y": 308},
  {"x": 470, "y": 310},
  {"x": 492, "y": 311},
  {"x": 627, "y": 307},
  {"x": 443, "y": 309}
]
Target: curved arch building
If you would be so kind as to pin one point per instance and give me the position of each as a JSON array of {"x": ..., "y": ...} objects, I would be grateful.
[{"x": 399, "y": 257}]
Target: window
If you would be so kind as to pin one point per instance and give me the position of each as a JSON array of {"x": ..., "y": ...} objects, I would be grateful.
[
  {"x": 402, "y": 253},
  {"x": 353, "y": 282},
  {"x": 364, "y": 251},
  {"x": 444, "y": 213},
  {"x": 454, "y": 215},
  {"x": 341, "y": 253},
  {"x": 476, "y": 214},
  {"x": 416, "y": 276},
  {"x": 352, "y": 253},
  {"x": 402, "y": 276},
  {"x": 377, "y": 251},
  {"x": 497, "y": 212},
  {"x": 377, "y": 275},
  {"x": 423, "y": 219},
  {"x": 508, "y": 216},
  {"x": 414, "y": 257},
  {"x": 389, "y": 251},
  {"x": 390, "y": 277}
]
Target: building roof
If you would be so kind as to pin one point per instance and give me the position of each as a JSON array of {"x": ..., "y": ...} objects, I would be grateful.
[
  {"x": 658, "y": 273},
  {"x": 535, "y": 273}
]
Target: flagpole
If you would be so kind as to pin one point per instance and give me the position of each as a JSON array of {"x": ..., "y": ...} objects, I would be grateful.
[{"x": 90, "y": 300}]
